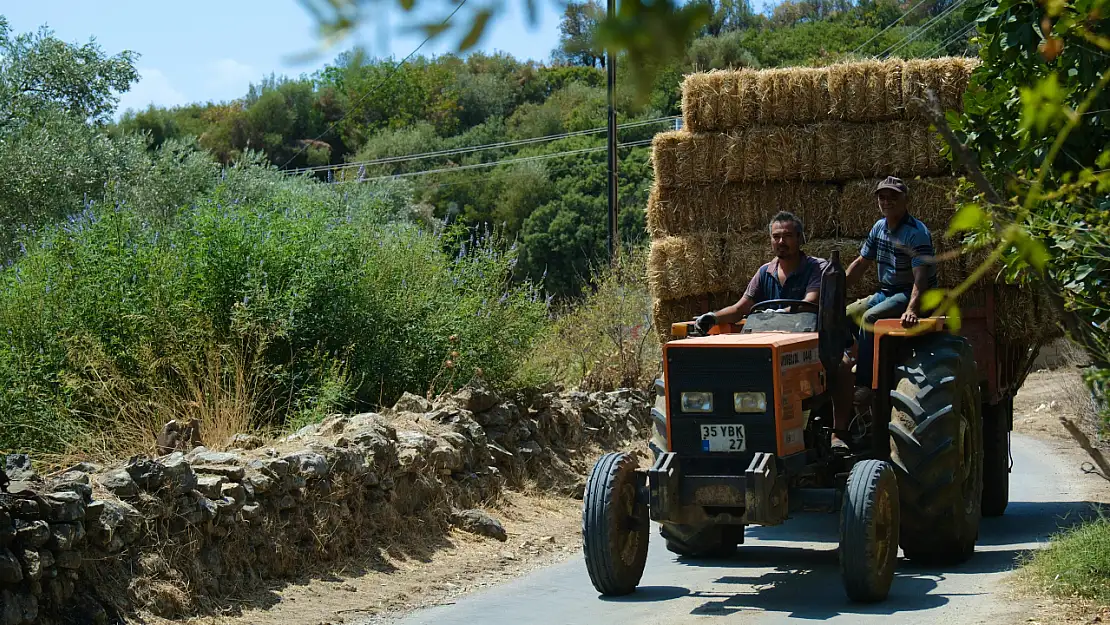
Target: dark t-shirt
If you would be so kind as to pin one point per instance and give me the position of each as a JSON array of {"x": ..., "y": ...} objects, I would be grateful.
[{"x": 765, "y": 283}]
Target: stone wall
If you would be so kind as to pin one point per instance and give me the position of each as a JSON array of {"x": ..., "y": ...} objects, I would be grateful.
[{"x": 179, "y": 534}]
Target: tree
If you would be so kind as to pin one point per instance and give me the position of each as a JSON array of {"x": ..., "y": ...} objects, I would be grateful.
[
  {"x": 40, "y": 73},
  {"x": 1034, "y": 137},
  {"x": 576, "y": 35}
]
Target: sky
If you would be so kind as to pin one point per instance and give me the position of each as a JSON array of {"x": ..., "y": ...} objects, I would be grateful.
[{"x": 204, "y": 50}]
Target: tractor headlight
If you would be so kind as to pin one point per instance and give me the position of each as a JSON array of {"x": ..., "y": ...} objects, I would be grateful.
[
  {"x": 749, "y": 402},
  {"x": 697, "y": 402}
]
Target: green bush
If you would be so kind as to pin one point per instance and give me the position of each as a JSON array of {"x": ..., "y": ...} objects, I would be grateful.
[{"x": 307, "y": 297}]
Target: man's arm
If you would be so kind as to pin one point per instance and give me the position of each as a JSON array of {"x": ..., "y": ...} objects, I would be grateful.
[
  {"x": 856, "y": 269},
  {"x": 737, "y": 311},
  {"x": 920, "y": 285}
]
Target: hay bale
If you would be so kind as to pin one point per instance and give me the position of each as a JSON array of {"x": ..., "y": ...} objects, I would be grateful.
[
  {"x": 819, "y": 152},
  {"x": 866, "y": 91},
  {"x": 701, "y": 96},
  {"x": 704, "y": 262},
  {"x": 664, "y": 157},
  {"x": 740, "y": 209},
  {"x": 947, "y": 77}
]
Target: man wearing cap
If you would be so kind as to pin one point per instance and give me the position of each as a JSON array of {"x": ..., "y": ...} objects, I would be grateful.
[{"x": 902, "y": 249}]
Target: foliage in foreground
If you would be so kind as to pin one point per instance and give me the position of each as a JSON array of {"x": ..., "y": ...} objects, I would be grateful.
[
  {"x": 286, "y": 299},
  {"x": 1036, "y": 118}
]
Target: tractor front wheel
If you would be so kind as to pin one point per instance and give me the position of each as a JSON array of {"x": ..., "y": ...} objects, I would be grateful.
[
  {"x": 869, "y": 531},
  {"x": 615, "y": 525}
]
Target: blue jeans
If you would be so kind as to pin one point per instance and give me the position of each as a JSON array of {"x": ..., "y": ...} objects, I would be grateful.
[{"x": 878, "y": 306}]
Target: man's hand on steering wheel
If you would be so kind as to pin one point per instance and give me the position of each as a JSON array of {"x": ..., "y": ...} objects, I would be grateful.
[{"x": 800, "y": 305}]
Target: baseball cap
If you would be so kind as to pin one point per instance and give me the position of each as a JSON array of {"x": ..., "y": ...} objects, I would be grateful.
[{"x": 894, "y": 184}]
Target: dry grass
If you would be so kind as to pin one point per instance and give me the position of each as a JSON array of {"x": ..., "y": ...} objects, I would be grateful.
[{"x": 225, "y": 391}]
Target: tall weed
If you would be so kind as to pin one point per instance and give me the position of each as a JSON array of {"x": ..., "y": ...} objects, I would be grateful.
[
  {"x": 258, "y": 304},
  {"x": 605, "y": 340}
]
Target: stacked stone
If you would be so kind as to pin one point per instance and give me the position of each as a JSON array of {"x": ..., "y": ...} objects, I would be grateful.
[{"x": 161, "y": 531}]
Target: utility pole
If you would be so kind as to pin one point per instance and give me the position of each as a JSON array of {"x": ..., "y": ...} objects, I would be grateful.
[{"x": 611, "y": 70}]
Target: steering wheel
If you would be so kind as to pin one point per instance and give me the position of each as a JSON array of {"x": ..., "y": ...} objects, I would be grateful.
[{"x": 801, "y": 304}]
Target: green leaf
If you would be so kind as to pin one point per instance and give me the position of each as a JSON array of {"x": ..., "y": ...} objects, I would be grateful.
[
  {"x": 954, "y": 321},
  {"x": 476, "y": 29},
  {"x": 932, "y": 298},
  {"x": 1031, "y": 250},
  {"x": 969, "y": 217},
  {"x": 1103, "y": 160}
]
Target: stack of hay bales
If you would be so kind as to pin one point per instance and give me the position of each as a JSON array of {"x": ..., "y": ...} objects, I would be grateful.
[{"x": 814, "y": 141}]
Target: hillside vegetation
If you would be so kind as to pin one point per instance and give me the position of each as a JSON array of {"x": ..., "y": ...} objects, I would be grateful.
[{"x": 160, "y": 265}]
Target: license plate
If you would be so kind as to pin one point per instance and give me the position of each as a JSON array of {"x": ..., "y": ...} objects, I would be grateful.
[{"x": 723, "y": 438}]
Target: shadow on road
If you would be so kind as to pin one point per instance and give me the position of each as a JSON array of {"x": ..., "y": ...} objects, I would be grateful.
[
  {"x": 813, "y": 572},
  {"x": 649, "y": 594}
]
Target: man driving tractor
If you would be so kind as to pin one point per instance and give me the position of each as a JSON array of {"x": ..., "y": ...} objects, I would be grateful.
[
  {"x": 791, "y": 274},
  {"x": 902, "y": 248}
]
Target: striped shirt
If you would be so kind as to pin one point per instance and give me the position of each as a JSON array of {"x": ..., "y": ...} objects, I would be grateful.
[{"x": 897, "y": 253}]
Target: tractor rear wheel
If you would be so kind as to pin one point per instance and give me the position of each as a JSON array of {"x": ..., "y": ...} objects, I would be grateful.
[
  {"x": 615, "y": 526},
  {"x": 869, "y": 531},
  {"x": 707, "y": 541},
  {"x": 937, "y": 447},
  {"x": 996, "y": 456}
]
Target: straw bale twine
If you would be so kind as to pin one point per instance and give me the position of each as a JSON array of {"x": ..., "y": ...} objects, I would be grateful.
[{"x": 947, "y": 77}]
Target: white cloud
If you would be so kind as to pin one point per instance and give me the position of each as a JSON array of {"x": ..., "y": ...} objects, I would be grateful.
[
  {"x": 153, "y": 87},
  {"x": 229, "y": 73}
]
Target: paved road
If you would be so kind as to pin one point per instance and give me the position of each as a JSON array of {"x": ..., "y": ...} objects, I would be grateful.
[{"x": 791, "y": 572}]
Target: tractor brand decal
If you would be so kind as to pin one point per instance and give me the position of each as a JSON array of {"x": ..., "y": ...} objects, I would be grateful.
[{"x": 799, "y": 358}]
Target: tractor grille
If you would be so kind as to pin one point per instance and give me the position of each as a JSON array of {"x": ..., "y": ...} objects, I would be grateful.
[{"x": 721, "y": 371}]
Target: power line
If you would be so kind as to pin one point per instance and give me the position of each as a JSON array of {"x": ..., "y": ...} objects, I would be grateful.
[
  {"x": 511, "y": 161},
  {"x": 381, "y": 82},
  {"x": 891, "y": 25},
  {"x": 947, "y": 42},
  {"x": 477, "y": 148},
  {"x": 910, "y": 38}
]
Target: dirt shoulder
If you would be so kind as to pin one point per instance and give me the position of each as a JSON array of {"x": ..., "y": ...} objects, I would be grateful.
[{"x": 1053, "y": 406}]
